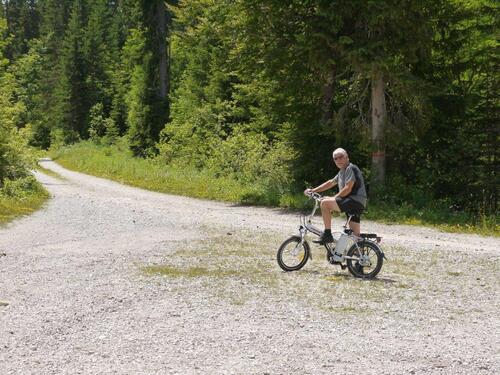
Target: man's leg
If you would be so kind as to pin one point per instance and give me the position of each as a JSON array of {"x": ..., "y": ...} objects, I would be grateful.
[
  {"x": 327, "y": 206},
  {"x": 355, "y": 227}
]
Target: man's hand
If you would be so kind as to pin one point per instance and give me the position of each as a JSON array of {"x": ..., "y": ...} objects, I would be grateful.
[{"x": 308, "y": 191}]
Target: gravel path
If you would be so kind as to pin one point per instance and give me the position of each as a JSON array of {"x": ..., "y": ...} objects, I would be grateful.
[{"x": 109, "y": 279}]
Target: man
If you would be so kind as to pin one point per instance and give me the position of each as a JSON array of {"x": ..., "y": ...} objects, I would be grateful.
[{"x": 350, "y": 199}]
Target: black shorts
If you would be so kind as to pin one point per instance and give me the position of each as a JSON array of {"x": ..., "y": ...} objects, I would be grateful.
[{"x": 350, "y": 207}]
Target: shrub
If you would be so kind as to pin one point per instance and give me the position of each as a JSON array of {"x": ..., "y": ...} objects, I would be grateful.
[
  {"x": 254, "y": 161},
  {"x": 112, "y": 132},
  {"x": 21, "y": 187},
  {"x": 97, "y": 125}
]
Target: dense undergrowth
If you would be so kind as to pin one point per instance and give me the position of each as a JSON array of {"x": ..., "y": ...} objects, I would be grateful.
[{"x": 116, "y": 162}]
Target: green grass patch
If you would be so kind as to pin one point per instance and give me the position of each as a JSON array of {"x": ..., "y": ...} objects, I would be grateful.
[
  {"x": 171, "y": 271},
  {"x": 49, "y": 172},
  {"x": 21, "y": 202},
  {"x": 117, "y": 163}
]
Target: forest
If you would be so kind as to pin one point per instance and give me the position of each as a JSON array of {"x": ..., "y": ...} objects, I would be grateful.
[{"x": 261, "y": 92}]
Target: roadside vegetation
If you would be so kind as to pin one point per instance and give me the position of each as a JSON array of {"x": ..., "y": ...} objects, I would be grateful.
[
  {"x": 20, "y": 193},
  {"x": 116, "y": 162},
  {"x": 21, "y": 197}
]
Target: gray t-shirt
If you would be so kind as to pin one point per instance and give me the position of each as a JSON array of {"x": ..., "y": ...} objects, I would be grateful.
[{"x": 358, "y": 192}]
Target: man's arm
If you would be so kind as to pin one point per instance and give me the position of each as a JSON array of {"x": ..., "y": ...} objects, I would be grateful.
[
  {"x": 346, "y": 190},
  {"x": 324, "y": 186}
]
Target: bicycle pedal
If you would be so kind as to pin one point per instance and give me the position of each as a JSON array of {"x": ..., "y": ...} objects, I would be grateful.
[{"x": 331, "y": 261}]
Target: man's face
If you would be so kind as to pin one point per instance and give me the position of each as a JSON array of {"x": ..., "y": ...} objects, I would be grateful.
[{"x": 340, "y": 160}]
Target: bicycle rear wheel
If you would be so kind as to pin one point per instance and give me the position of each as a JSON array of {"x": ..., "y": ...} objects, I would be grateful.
[
  {"x": 368, "y": 262},
  {"x": 292, "y": 255}
]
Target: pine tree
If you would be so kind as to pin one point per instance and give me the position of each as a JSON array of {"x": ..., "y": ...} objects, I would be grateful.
[
  {"x": 147, "y": 101},
  {"x": 23, "y": 19},
  {"x": 72, "y": 101},
  {"x": 97, "y": 54}
]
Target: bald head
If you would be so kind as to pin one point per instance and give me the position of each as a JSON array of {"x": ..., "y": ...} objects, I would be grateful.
[{"x": 338, "y": 152}]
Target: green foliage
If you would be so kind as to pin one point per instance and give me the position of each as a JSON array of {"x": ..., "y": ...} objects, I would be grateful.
[
  {"x": 15, "y": 157},
  {"x": 97, "y": 127},
  {"x": 15, "y": 160},
  {"x": 249, "y": 158},
  {"x": 23, "y": 23},
  {"x": 102, "y": 129},
  {"x": 111, "y": 131},
  {"x": 29, "y": 201},
  {"x": 72, "y": 102},
  {"x": 20, "y": 188}
]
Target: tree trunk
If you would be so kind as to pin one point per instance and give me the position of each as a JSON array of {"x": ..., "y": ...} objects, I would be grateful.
[
  {"x": 161, "y": 16},
  {"x": 327, "y": 93},
  {"x": 379, "y": 116}
]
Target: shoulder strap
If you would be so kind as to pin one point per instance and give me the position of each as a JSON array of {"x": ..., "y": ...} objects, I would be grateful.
[{"x": 357, "y": 183}]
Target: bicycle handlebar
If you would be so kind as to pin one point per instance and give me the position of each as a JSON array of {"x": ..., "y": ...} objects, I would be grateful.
[{"x": 315, "y": 196}]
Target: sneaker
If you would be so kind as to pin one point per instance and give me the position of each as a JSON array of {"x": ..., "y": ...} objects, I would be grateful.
[{"x": 324, "y": 239}]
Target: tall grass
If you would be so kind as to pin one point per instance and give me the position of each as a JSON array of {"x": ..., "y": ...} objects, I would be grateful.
[{"x": 116, "y": 163}]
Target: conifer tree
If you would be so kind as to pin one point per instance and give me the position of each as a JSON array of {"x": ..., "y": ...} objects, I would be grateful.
[
  {"x": 23, "y": 19},
  {"x": 97, "y": 54},
  {"x": 147, "y": 101},
  {"x": 72, "y": 101}
]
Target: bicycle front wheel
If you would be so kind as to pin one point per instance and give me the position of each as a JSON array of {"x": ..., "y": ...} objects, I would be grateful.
[
  {"x": 292, "y": 255},
  {"x": 368, "y": 260}
]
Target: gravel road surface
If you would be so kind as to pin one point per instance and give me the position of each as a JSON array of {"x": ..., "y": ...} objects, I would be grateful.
[{"x": 110, "y": 279}]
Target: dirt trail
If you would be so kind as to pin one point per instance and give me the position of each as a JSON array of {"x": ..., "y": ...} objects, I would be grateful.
[{"x": 81, "y": 292}]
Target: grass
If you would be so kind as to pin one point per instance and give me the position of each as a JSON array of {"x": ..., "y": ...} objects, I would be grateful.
[
  {"x": 171, "y": 271},
  {"x": 116, "y": 163},
  {"x": 49, "y": 172},
  {"x": 438, "y": 217},
  {"x": 15, "y": 207}
]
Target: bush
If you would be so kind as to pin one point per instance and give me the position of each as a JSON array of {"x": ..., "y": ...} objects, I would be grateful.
[
  {"x": 21, "y": 187},
  {"x": 97, "y": 125},
  {"x": 15, "y": 157},
  {"x": 253, "y": 161},
  {"x": 112, "y": 132}
]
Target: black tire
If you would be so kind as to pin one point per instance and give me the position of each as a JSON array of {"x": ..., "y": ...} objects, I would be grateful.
[
  {"x": 373, "y": 252},
  {"x": 289, "y": 261}
]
